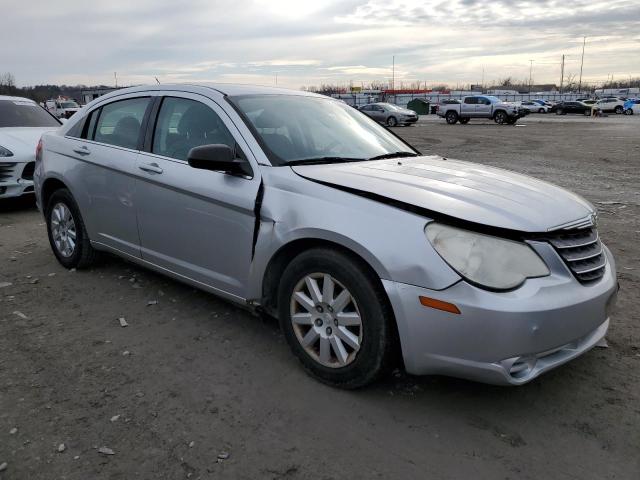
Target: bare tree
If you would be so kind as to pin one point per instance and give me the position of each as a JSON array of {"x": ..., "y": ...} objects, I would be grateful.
[{"x": 7, "y": 84}]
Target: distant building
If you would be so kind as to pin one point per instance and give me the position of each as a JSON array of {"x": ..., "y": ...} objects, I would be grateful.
[{"x": 89, "y": 95}]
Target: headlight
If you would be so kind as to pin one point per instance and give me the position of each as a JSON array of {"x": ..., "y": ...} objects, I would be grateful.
[
  {"x": 487, "y": 261},
  {"x": 5, "y": 152}
]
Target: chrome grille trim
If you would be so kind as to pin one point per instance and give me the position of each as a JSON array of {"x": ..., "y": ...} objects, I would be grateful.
[{"x": 581, "y": 251}]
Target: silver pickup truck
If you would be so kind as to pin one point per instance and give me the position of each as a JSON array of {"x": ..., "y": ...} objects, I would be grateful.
[{"x": 481, "y": 106}]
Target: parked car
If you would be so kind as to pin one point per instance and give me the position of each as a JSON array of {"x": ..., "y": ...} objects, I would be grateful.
[
  {"x": 632, "y": 106},
  {"x": 611, "y": 104},
  {"x": 481, "y": 106},
  {"x": 533, "y": 107},
  {"x": 544, "y": 102},
  {"x": 294, "y": 204},
  {"x": 390, "y": 114},
  {"x": 22, "y": 122},
  {"x": 563, "y": 108},
  {"x": 62, "y": 108}
]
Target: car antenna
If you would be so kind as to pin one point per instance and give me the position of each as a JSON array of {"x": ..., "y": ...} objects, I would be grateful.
[{"x": 157, "y": 80}]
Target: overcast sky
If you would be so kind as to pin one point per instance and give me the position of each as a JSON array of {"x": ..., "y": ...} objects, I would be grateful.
[{"x": 311, "y": 42}]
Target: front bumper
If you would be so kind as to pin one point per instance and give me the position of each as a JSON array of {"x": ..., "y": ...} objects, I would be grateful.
[
  {"x": 16, "y": 179},
  {"x": 503, "y": 338}
]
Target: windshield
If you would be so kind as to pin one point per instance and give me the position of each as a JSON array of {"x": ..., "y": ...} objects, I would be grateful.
[
  {"x": 69, "y": 104},
  {"x": 24, "y": 113},
  {"x": 296, "y": 128}
]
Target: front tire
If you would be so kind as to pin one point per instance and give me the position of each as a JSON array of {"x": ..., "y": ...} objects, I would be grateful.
[
  {"x": 628, "y": 111},
  {"x": 67, "y": 233},
  {"x": 500, "y": 117},
  {"x": 335, "y": 318},
  {"x": 451, "y": 117},
  {"x": 541, "y": 110},
  {"x": 392, "y": 122}
]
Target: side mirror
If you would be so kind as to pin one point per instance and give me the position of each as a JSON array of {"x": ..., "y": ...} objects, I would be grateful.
[{"x": 218, "y": 158}]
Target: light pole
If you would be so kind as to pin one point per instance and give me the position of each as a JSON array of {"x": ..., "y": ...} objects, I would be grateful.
[
  {"x": 393, "y": 73},
  {"x": 584, "y": 40},
  {"x": 530, "y": 73}
]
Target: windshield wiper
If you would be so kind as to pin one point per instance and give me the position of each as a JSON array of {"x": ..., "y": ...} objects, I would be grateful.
[
  {"x": 393, "y": 155},
  {"x": 323, "y": 160}
]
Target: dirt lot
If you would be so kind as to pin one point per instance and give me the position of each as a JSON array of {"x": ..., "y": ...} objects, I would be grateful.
[{"x": 193, "y": 377}]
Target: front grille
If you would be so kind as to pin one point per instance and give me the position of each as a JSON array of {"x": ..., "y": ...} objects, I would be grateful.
[
  {"x": 6, "y": 171},
  {"x": 582, "y": 252},
  {"x": 27, "y": 173}
]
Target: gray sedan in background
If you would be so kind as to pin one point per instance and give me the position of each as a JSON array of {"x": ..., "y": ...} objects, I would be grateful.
[
  {"x": 389, "y": 114},
  {"x": 297, "y": 205}
]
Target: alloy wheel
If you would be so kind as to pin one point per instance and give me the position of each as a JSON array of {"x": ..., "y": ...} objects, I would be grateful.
[
  {"x": 63, "y": 229},
  {"x": 326, "y": 320}
]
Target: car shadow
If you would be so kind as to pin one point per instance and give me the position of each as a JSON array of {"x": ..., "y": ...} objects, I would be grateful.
[{"x": 17, "y": 204}]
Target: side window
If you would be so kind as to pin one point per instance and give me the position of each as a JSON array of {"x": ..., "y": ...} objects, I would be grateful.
[
  {"x": 90, "y": 125},
  {"x": 366, "y": 108},
  {"x": 183, "y": 124},
  {"x": 471, "y": 100},
  {"x": 119, "y": 123}
]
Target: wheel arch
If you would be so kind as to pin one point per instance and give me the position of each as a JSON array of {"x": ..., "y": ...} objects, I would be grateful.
[
  {"x": 49, "y": 187},
  {"x": 287, "y": 252}
]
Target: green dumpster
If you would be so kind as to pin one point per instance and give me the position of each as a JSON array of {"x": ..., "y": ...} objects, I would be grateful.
[{"x": 419, "y": 105}]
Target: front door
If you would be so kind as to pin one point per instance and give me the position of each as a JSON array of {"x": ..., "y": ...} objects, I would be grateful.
[{"x": 196, "y": 223}]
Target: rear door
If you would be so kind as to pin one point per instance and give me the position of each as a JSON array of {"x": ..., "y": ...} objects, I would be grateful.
[
  {"x": 107, "y": 151},
  {"x": 196, "y": 223},
  {"x": 468, "y": 107}
]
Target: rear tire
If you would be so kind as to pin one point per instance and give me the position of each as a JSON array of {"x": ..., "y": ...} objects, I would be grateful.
[
  {"x": 618, "y": 110},
  {"x": 559, "y": 112},
  {"x": 464, "y": 121},
  {"x": 346, "y": 345},
  {"x": 451, "y": 117},
  {"x": 541, "y": 110},
  {"x": 67, "y": 233}
]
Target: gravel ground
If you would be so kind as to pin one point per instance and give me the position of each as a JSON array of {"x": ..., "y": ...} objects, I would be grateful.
[{"x": 194, "y": 387}]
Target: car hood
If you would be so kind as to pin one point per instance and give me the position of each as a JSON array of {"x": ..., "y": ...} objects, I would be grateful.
[
  {"x": 22, "y": 140},
  {"x": 462, "y": 190},
  {"x": 406, "y": 111}
]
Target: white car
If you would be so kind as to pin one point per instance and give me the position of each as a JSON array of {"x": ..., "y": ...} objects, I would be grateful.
[
  {"x": 62, "y": 108},
  {"x": 534, "y": 107},
  {"x": 22, "y": 122},
  {"x": 611, "y": 104}
]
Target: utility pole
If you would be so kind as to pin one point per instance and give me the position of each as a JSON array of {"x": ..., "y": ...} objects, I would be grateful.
[
  {"x": 482, "y": 84},
  {"x": 530, "y": 73},
  {"x": 393, "y": 73},
  {"x": 276, "y": 78},
  {"x": 561, "y": 73},
  {"x": 584, "y": 40},
  {"x": 115, "y": 75}
]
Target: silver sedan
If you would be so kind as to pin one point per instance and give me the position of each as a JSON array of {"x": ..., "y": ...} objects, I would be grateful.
[{"x": 299, "y": 206}]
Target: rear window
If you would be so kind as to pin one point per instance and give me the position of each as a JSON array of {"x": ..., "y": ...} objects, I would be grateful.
[{"x": 24, "y": 113}]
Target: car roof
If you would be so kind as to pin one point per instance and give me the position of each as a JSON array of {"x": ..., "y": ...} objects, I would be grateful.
[
  {"x": 15, "y": 99},
  {"x": 231, "y": 89}
]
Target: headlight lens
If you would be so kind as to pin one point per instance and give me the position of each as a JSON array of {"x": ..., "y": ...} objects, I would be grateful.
[
  {"x": 487, "y": 261},
  {"x": 5, "y": 152}
]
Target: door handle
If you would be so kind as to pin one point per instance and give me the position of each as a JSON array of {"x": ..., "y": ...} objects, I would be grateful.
[
  {"x": 151, "y": 168},
  {"x": 82, "y": 151}
]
